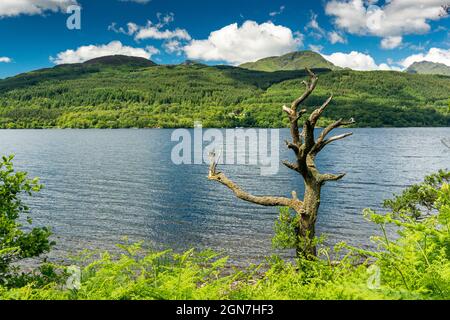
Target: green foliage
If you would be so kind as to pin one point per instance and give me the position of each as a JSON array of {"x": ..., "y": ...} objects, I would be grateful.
[
  {"x": 136, "y": 274},
  {"x": 131, "y": 95},
  {"x": 285, "y": 230},
  {"x": 419, "y": 199},
  {"x": 15, "y": 242},
  {"x": 419, "y": 260}
]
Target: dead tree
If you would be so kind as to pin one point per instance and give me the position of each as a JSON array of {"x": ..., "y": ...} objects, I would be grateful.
[{"x": 306, "y": 147}]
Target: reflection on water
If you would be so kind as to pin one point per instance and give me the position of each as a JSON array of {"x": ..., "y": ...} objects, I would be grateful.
[{"x": 102, "y": 185}]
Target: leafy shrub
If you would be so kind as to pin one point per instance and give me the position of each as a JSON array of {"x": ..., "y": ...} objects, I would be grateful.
[{"x": 15, "y": 242}]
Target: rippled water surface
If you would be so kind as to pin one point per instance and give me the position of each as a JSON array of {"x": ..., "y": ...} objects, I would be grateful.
[{"x": 102, "y": 185}]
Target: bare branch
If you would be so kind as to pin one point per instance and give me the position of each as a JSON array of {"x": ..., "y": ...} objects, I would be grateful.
[
  {"x": 292, "y": 146},
  {"x": 318, "y": 112},
  {"x": 300, "y": 114},
  {"x": 287, "y": 110},
  {"x": 290, "y": 165},
  {"x": 321, "y": 144},
  {"x": 268, "y": 201},
  {"x": 310, "y": 86},
  {"x": 308, "y": 136},
  {"x": 334, "y": 125},
  {"x": 339, "y": 137},
  {"x": 294, "y": 116},
  {"x": 331, "y": 177}
]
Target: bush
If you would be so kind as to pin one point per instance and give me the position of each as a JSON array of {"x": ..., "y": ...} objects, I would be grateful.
[{"x": 15, "y": 242}]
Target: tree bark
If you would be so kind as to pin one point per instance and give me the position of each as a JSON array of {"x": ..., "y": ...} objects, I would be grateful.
[{"x": 306, "y": 231}]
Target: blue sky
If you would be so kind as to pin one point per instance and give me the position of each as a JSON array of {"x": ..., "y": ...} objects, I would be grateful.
[{"x": 361, "y": 34}]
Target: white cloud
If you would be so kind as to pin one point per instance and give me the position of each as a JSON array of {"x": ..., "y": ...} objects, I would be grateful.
[
  {"x": 5, "y": 60},
  {"x": 276, "y": 13},
  {"x": 12, "y": 8},
  {"x": 433, "y": 55},
  {"x": 395, "y": 19},
  {"x": 151, "y": 50},
  {"x": 316, "y": 30},
  {"x": 153, "y": 30},
  {"x": 251, "y": 41},
  {"x": 356, "y": 61},
  {"x": 391, "y": 42},
  {"x": 85, "y": 53},
  {"x": 336, "y": 37},
  {"x": 173, "y": 46},
  {"x": 315, "y": 48}
]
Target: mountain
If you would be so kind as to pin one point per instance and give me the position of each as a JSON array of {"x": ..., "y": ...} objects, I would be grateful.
[
  {"x": 291, "y": 61},
  {"x": 427, "y": 67},
  {"x": 112, "y": 61},
  {"x": 117, "y": 92},
  {"x": 121, "y": 60}
]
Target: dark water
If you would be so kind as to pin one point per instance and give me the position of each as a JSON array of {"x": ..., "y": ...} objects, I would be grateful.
[{"x": 102, "y": 185}]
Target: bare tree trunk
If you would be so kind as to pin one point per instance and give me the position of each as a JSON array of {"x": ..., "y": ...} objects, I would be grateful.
[
  {"x": 306, "y": 147},
  {"x": 306, "y": 231}
]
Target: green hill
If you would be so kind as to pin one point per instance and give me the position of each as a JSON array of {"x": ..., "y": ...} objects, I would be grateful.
[
  {"x": 291, "y": 61},
  {"x": 426, "y": 67},
  {"x": 127, "y": 93}
]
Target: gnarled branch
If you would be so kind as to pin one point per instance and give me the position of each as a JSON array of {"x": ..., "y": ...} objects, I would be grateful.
[
  {"x": 331, "y": 177},
  {"x": 269, "y": 201},
  {"x": 310, "y": 86},
  {"x": 291, "y": 165},
  {"x": 318, "y": 112}
]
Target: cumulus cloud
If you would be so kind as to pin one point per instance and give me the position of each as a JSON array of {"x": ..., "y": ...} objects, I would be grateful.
[
  {"x": 357, "y": 61},
  {"x": 250, "y": 42},
  {"x": 12, "y": 8},
  {"x": 173, "y": 46},
  {"x": 391, "y": 42},
  {"x": 335, "y": 37},
  {"x": 85, "y": 53},
  {"x": 153, "y": 30},
  {"x": 433, "y": 55},
  {"x": 5, "y": 60},
  {"x": 390, "y": 22}
]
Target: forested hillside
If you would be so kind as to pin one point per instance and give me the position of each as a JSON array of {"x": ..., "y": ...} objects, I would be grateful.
[
  {"x": 292, "y": 61},
  {"x": 126, "y": 93}
]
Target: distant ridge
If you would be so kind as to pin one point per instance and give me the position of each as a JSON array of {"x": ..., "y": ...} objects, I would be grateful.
[
  {"x": 117, "y": 60},
  {"x": 291, "y": 61},
  {"x": 427, "y": 67}
]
